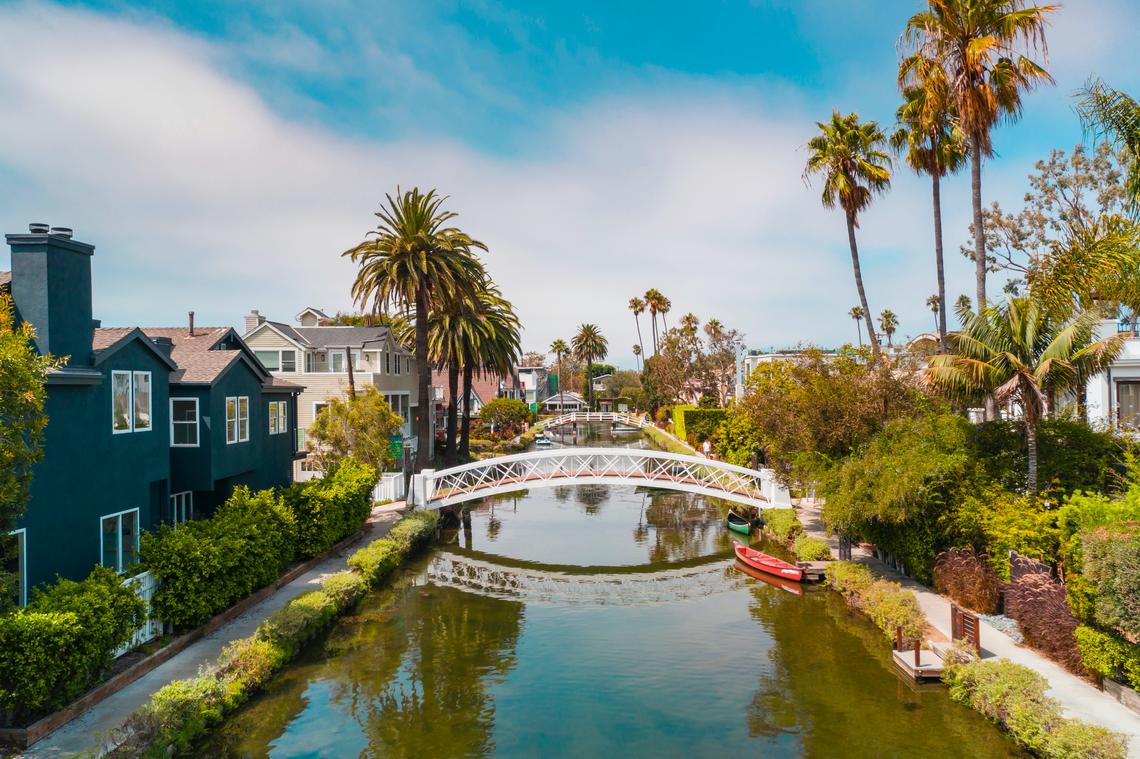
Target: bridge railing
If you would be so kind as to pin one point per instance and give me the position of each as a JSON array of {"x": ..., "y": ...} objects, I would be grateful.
[
  {"x": 611, "y": 465},
  {"x": 586, "y": 417}
]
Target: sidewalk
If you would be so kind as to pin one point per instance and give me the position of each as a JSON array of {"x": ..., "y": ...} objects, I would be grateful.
[
  {"x": 1079, "y": 698},
  {"x": 93, "y": 728}
]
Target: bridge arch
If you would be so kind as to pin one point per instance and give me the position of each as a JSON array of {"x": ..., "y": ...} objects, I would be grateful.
[
  {"x": 587, "y": 417},
  {"x": 597, "y": 466}
]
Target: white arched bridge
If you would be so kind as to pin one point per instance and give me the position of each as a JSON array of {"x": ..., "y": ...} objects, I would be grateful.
[
  {"x": 597, "y": 466},
  {"x": 590, "y": 417}
]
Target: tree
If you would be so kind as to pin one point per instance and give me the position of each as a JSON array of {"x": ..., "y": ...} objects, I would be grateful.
[
  {"x": 672, "y": 371},
  {"x": 505, "y": 415},
  {"x": 888, "y": 322},
  {"x": 932, "y": 143},
  {"x": 985, "y": 49},
  {"x": 533, "y": 358},
  {"x": 963, "y": 303},
  {"x": 934, "y": 303},
  {"x": 856, "y": 313},
  {"x": 559, "y": 348},
  {"x": 848, "y": 155},
  {"x": 655, "y": 302},
  {"x": 1020, "y": 353},
  {"x": 637, "y": 356},
  {"x": 496, "y": 353},
  {"x": 637, "y": 306},
  {"x": 719, "y": 362},
  {"x": 590, "y": 345},
  {"x": 360, "y": 426},
  {"x": 23, "y": 374},
  {"x": 1115, "y": 116},
  {"x": 415, "y": 261}
]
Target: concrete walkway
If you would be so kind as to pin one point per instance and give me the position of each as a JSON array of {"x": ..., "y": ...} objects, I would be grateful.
[
  {"x": 92, "y": 729},
  {"x": 1079, "y": 698}
]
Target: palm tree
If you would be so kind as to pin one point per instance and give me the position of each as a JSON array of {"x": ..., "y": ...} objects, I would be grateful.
[
  {"x": 663, "y": 306},
  {"x": 888, "y": 322},
  {"x": 932, "y": 143},
  {"x": 637, "y": 356},
  {"x": 559, "y": 348},
  {"x": 1115, "y": 116},
  {"x": 637, "y": 306},
  {"x": 856, "y": 313},
  {"x": 848, "y": 155},
  {"x": 590, "y": 346},
  {"x": 497, "y": 352},
  {"x": 963, "y": 302},
  {"x": 934, "y": 303},
  {"x": 654, "y": 300},
  {"x": 1018, "y": 352},
  {"x": 985, "y": 48},
  {"x": 414, "y": 262}
]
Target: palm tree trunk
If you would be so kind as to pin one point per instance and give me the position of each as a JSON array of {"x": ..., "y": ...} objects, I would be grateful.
[
  {"x": 589, "y": 384},
  {"x": 653, "y": 323},
  {"x": 452, "y": 413},
  {"x": 979, "y": 227},
  {"x": 1031, "y": 444},
  {"x": 561, "y": 388},
  {"x": 465, "y": 422},
  {"x": 423, "y": 380},
  {"x": 639, "y": 343},
  {"x": 859, "y": 286},
  {"x": 859, "y": 331},
  {"x": 940, "y": 317}
]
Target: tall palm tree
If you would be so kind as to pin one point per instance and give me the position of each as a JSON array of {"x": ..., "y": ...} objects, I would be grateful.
[
  {"x": 455, "y": 332},
  {"x": 590, "y": 346},
  {"x": 1115, "y": 116},
  {"x": 637, "y": 306},
  {"x": 932, "y": 143},
  {"x": 637, "y": 356},
  {"x": 856, "y": 313},
  {"x": 986, "y": 49},
  {"x": 849, "y": 155},
  {"x": 1018, "y": 352},
  {"x": 497, "y": 353},
  {"x": 653, "y": 301},
  {"x": 414, "y": 261},
  {"x": 888, "y": 322},
  {"x": 934, "y": 303},
  {"x": 559, "y": 348},
  {"x": 663, "y": 306},
  {"x": 963, "y": 302}
]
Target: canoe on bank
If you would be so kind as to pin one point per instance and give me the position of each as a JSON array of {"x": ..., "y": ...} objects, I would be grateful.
[
  {"x": 762, "y": 562},
  {"x": 737, "y": 523}
]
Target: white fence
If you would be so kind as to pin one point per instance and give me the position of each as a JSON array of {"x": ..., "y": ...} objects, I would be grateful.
[
  {"x": 389, "y": 488},
  {"x": 144, "y": 586}
]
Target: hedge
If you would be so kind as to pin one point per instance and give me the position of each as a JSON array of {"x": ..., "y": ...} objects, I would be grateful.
[
  {"x": 181, "y": 712},
  {"x": 331, "y": 508},
  {"x": 1112, "y": 571},
  {"x": 700, "y": 423},
  {"x": 808, "y": 548},
  {"x": 1109, "y": 655},
  {"x": 783, "y": 523},
  {"x": 63, "y": 642},
  {"x": 1014, "y": 697},
  {"x": 886, "y": 603}
]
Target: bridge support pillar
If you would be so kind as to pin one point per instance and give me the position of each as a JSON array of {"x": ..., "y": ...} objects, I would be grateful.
[{"x": 417, "y": 493}]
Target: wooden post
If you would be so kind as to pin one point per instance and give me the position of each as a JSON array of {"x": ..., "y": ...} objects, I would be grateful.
[
  {"x": 917, "y": 653},
  {"x": 898, "y": 639}
]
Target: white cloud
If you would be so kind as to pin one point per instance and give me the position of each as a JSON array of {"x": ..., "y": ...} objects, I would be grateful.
[{"x": 198, "y": 196}]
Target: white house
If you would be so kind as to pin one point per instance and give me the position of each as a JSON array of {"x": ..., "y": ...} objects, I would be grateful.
[
  {"x": 1113, "y": 396},
  {"x": 561, "y": 403}
]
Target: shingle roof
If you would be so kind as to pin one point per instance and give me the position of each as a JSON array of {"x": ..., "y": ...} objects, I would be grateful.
[
  {"x": 288, "y": 331},
  {"x": 5, "y": 278},
  {"x": 338, "y": 337}
]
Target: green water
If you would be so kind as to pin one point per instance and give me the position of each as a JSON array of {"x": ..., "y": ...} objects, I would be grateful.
[{"x": 598, "y": 622}]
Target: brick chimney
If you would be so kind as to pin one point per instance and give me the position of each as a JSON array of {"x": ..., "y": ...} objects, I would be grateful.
[
  {"x": 253, "y": 320},
  {"x": 51, "y": 288}
]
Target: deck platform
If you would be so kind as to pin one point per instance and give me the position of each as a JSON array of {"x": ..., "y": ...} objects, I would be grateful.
[
  {"x": 929, "y": 665},
  {"x": 813, "y": 570}
]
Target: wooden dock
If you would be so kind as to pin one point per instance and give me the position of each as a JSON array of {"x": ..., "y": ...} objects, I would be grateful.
[
  {"x": 922, "y": 664},
  {"x": 813, "y": 570}
]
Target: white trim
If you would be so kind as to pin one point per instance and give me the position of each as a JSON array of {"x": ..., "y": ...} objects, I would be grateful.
[
  {"x": 240, "y": 418},
  {"x": 279, "y": 415},
  {"x": 119, "y": 537},
  {"x": 186, "y": 504},
  {"x": 237, "y": 419},
  {"x": 130, "y": 401},
  {"x": 197, "y": 425},
  {"x": 21, "y": 536},
  {"x": 149, "y": 401},
  {"x": 280, "y": 359}
]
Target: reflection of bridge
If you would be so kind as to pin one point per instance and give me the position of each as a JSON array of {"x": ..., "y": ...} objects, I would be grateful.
[
  {"x": 597, "y": 466},
  {"x": 586, "y": 417}
]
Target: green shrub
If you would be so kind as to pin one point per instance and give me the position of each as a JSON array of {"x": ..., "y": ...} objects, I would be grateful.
[
  {"x": 298, "y": 621},
  {"x": 783, "y": 524},
  {"x": 177, "y": 715},
  {"x": 1071, "y": 456},
  {"x": 246, "y": 666},
  {"x": 376, "y": 560},
  {"x": 1081, "y": 515},
  {"x": 811, "y": 549},
  {"x": 331, "y": 508},
  {"x": 1014, "y": 697},
  {"x": 678, "y": 415},
  {"x": 848, "y": 577},
  {"x": 345, "y": 588},
  {"x": 886, "y": 603},
  {"x": 1112, "y": 570},
  {"x": 1109, "y": 655},
  {"x": 205, "y": 566},
  {"x": 699, "y": 423}
]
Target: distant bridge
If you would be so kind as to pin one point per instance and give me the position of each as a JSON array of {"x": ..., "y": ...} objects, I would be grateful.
[
  {"x": 597, "y": 466},
  {"x": 587, "y": 417}
]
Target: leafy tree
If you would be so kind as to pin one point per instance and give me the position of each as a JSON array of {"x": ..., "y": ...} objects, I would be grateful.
[
  {"x": 505, "y": 414},
  {"x": 23, "y": 373},
  {"x": 933, "y": 144},
  {"x": 533, "y": 358},
  {"x": 718, "y": 365},
  {"x": 1115, "y": 116},
  {"x": 737, "y": 440},
  {"x": 1019, "y": 352},
  {"x": 590, "y": 345},
  {"x": 985, "y": 49},
  {"x": 415, "y": 261},
  {"x": 671, "y": 372},
  {"x": 360, "y": 427},
  {"x": 849, "y": 155}
]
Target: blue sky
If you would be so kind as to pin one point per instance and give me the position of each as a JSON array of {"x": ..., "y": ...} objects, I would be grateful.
[{"x": 220, "y": 155}]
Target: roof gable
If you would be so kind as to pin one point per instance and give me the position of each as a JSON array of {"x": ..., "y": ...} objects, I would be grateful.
[{"x": 107, "y": 341}]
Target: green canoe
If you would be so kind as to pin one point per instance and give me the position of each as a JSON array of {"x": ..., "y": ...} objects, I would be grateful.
[{"x": 737, "y": 523}]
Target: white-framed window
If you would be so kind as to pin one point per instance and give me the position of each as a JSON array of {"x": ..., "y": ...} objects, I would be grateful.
[
  {"x": 181, "y": 507},
  {"x": 318, "y": 408},
  {"x": 122, "y": 411},
  {"x": 336, "y": 361},
  {"x": 278, "y": 417},
  {"x": 119, "y": 540},
  {"x": 184, "y": 422},
  {"x": 237, "y": 419},
  {"x": 357, "y": 360},
  {"x": 278, "y": 360},
  {"x": 14, "y": 561},
  {"x": 142, "y": 401}
]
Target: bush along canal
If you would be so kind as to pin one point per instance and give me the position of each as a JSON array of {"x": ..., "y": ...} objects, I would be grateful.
[{"x": 598, "y": 621}]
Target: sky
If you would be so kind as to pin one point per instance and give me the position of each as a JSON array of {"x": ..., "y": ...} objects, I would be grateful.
[{"x": 221, "y": 155}]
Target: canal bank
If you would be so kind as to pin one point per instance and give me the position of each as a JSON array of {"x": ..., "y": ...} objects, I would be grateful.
[{"x": 1079, "y": 698}]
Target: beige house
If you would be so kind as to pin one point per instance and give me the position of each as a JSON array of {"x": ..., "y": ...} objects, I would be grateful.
[{"x": 316, "y": 355}]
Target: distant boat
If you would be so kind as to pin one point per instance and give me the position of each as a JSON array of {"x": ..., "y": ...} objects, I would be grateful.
[
  {"x": 762, "y": 562},
  {"x": 737, "y": 523},
  {"x": 543, "y": 441}
]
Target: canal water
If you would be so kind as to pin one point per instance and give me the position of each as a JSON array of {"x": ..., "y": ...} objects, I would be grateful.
[{"x": 586, "y": 621}]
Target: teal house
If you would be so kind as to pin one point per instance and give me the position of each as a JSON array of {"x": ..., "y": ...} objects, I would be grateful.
[{"x": 146, "y": 425}]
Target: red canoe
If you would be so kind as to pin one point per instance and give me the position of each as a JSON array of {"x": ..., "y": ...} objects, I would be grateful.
[{"x": 762, "y": 562}]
